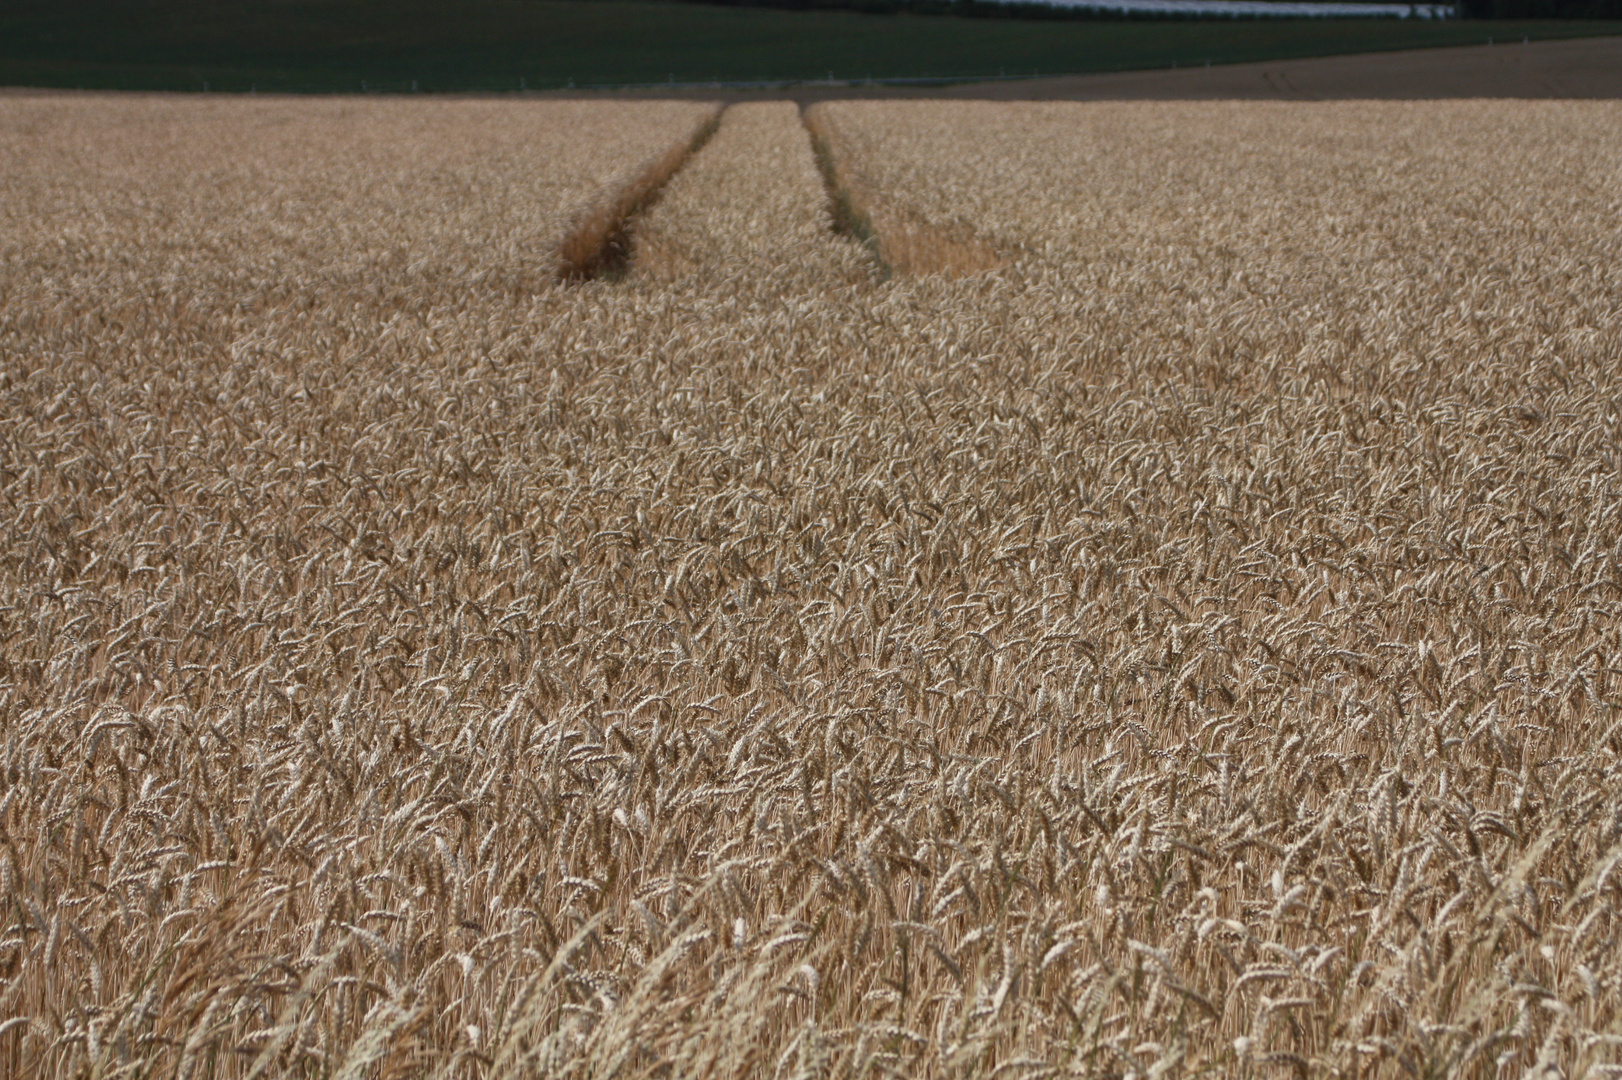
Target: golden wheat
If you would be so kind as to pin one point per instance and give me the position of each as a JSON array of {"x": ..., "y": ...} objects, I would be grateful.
[
  {"x": 751, "y": 206},
  {"x": 903, "y": 240},
  {"x": 1189, "y": 646}
]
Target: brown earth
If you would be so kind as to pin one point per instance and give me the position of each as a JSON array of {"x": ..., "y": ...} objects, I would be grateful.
[
  {"x": 1581, "y": 68},
  {"x": 1574, "y": 68}
]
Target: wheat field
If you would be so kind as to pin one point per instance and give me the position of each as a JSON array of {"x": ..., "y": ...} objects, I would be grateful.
[{"x": 931, "y": 590}]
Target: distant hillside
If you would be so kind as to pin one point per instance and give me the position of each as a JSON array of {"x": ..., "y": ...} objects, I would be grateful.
[{"x": 481, "y": 45}]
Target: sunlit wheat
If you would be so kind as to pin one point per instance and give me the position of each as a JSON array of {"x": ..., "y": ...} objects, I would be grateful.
[{"x": 1187, "y": 646}]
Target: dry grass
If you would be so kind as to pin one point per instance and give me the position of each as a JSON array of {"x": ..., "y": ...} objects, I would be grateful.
[{"x": 1189, "y": 648}]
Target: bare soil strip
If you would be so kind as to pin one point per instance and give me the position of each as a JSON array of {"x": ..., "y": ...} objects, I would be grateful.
[
  {"x": 1579, "y": 68},
  {"x": 1584, "y": 68},
  {"x": 598, "y": 244},
  {"x": 903, "y": 242}
]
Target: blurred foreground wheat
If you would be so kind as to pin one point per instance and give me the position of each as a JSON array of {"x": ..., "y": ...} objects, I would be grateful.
[{"x": 1190, "y": 647}]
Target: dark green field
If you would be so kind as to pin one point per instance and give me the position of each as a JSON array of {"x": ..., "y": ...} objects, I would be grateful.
[{"x": 452, "y": 45}]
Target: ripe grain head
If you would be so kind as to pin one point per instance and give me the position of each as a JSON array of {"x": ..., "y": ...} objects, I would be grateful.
[{"x": 1190, "y": 647}]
